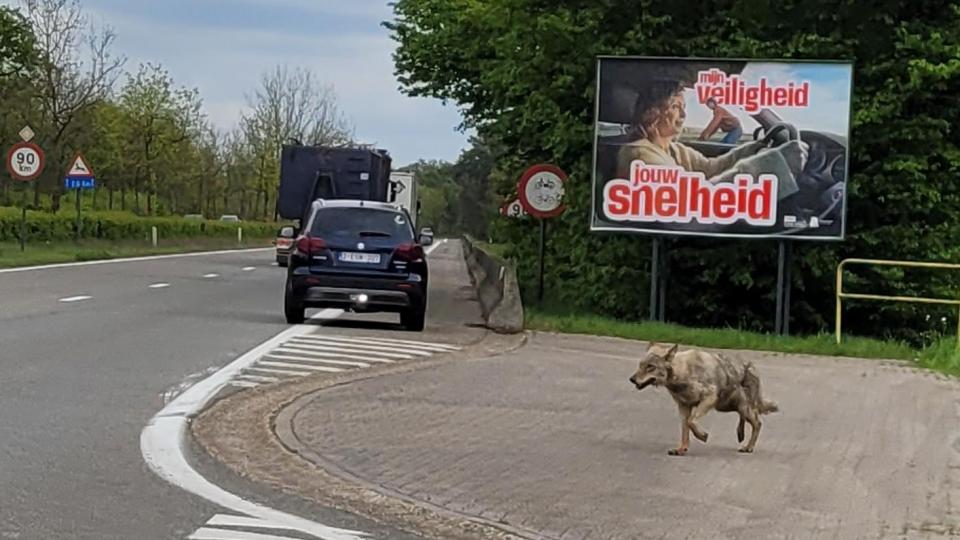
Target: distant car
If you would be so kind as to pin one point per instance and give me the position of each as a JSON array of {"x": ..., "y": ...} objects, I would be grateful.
[
  {"x": 360, "y": 256},
  {"x": 230, "y": 217},
  {"x": 283, "y": 244},
  {"x": 194, "y": 216}
]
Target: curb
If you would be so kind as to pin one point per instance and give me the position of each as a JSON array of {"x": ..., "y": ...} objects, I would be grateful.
[{"x": 317, "y": 480}]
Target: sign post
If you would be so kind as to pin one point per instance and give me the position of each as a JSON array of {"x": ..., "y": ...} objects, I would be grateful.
[
  {"x": 25, "y": 162},
  {"x": 79, "y": 177},
  {"x": 540, "y": 191}
]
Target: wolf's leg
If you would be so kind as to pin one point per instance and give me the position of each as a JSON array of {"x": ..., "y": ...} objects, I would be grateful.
[
  {"x": 698, "y": 412},
  {"x": 740, "y": 426},
  {"x": 751, "y": 416},
  {"x": 684, "y": 432}
]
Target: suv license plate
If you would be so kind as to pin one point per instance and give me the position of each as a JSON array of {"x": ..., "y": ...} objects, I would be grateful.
[{"x": 368, "y": 258}]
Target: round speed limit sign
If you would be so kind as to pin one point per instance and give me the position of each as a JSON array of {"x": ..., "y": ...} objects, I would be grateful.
[{"x": 25, "y": 161}]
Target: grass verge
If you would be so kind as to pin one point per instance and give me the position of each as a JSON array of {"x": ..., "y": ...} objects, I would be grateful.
[
  {"x": 942, "y": 356},
  {"x": 38, "y": 253}
]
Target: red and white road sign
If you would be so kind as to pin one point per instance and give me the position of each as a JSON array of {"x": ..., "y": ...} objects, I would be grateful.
[
  {"x": 25, "y": 161},
  {"x": 513, "y": 209},
  {"x": 541, "y": 190},
  {"x": 79, "y": 169}
]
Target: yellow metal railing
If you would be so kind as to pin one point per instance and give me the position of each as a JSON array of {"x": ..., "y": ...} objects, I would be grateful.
[{"x": 912, "y": 299}]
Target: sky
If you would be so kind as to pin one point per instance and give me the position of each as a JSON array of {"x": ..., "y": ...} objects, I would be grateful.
[
  {"x": 222, "y": 47},
  {"x": 829, "y": 97}
]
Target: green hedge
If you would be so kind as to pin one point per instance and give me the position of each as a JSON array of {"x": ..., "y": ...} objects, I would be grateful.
[{"x": 45, "y": 226}]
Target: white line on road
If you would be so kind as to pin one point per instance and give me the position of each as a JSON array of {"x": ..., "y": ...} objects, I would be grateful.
[
  {"x": 288, "y": 365},
  {"x": 71, "y": 299},
  {"x": 163, "y": 439},
  {"x": 389, "y": 341},
  {"x": 420, "y": 348},
  {"x": 304, "y": 356},
  {"x": 244, "y": 384},
  {"x": 249, "y": 268},
  {"x": 285, "y": 372},
  {"x": 209, "y": 533},
  {"x": 211, "y": 276},
  {"x": 256, "y": 378},
  {"x": 339, "y": 355},
  {"x": 127, "y": 260},
  {"x": 159, "y": 285},
  {"x": 225, "y": 520},
  {"x": 345, "y": 348},
  {"x": 430, "y": 249}
]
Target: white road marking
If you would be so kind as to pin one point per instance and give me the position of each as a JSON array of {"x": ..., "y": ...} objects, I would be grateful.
[
  {"x": 420, "y": 349},
  {"x": 256, "y": 378},
  {"x": 159, "y": 285},
  {"x": 208, "y": 533},
  {"x": 249, "y": 268},
  {"x": 71, "y": 299},
  {"x": 128, "y": 260},
  {"x": 336, "y": 347},
  {"x": 340, "y": 355},
  {"x": 243, "y": 384},
  {"x": 397, "y": 342},
  {"x": 287, "y": 354},
  {"x": 225, "y": 520},
  {"x": 162, "y": 443},
  {"x": 288, "y": 365},
  {"x": 430, "y": 249},
  {"x": 211, "y": 276},
  {"x": 285, "y": 372}
]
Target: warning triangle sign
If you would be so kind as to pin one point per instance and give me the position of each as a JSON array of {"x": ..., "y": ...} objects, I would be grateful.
[{"x": 80, "y": 167}]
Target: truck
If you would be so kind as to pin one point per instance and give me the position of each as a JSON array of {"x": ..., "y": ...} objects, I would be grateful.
[
  {"x": 308, "y": 173},
  {"x": 403, "y": 191}
]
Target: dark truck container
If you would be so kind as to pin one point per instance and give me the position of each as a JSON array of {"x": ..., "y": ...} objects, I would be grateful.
[{"x": 308, "y": 173}]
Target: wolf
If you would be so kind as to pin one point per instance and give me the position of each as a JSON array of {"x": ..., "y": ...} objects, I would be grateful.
[{"x": 700, "y": 381}]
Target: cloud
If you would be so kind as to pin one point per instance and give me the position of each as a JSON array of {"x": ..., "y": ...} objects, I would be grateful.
[{"x": 352, "y": 52}]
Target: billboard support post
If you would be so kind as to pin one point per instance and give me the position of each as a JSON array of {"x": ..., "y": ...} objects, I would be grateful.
[
  {"x": 658, "y": 280},
  {"x": 784, "y": 262},
  {"x": 654, "y": 276}
]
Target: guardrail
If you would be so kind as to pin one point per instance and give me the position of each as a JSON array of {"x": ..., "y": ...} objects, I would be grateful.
[{"x": 910, "y": 299}]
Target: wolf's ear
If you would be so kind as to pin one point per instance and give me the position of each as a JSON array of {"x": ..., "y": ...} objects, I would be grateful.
[{"x": 673, "y": 350}]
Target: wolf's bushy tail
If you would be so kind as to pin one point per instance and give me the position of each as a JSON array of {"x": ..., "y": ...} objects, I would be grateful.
[{"x": 751, "y": 383}]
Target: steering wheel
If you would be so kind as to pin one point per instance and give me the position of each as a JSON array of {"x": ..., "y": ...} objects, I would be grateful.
[{"x": 775, "y": 129}]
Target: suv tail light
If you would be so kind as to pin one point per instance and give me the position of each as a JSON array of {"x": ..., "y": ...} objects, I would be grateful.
[
  {"x": 409, "y": 252},
  {"x": 309, "y": 244}
]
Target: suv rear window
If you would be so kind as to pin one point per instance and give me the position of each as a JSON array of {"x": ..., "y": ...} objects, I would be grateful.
[{"x": 351, "y": 223}]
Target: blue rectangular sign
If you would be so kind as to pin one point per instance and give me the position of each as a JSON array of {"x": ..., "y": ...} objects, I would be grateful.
[{"x": 80, "y": 182}]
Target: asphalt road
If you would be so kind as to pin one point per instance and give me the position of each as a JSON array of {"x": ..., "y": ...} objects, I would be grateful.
[{"x": 88, "y": 355}]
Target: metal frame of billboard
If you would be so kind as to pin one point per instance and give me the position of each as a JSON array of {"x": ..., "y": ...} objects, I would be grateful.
[{"x": 658, "y": 233}]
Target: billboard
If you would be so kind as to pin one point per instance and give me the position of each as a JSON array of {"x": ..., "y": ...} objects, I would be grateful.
[{"x": 721, "y": 147}]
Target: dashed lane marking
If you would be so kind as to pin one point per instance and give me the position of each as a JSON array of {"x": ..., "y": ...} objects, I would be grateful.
[{"x": 72, "y": 299}]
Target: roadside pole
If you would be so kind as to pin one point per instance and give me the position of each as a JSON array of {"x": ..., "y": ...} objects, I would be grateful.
[
  {"x": 80, "y": 177},
  {"x": 540, "y": 191},
  {"x": 25, "y": 162}
]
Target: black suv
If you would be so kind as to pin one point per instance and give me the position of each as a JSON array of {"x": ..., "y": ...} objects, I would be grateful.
[{"x": 361, "y": 256}]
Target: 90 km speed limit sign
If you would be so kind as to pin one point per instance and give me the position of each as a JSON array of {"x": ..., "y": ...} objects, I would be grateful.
[{"x": 25, "y": 161}]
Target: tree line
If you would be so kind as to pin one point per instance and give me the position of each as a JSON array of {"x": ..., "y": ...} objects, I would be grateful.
[
  {"x": 153, "y": 149},
  {"x": 523, "y": 73}
]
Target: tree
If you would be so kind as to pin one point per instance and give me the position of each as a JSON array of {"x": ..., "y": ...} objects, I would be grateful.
[
  {"x": 523, "y": 73},
  {"x": 18, "y": 53},
  {"x": 65, "y": 85},
  {"x": 289, "y": 106}
]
